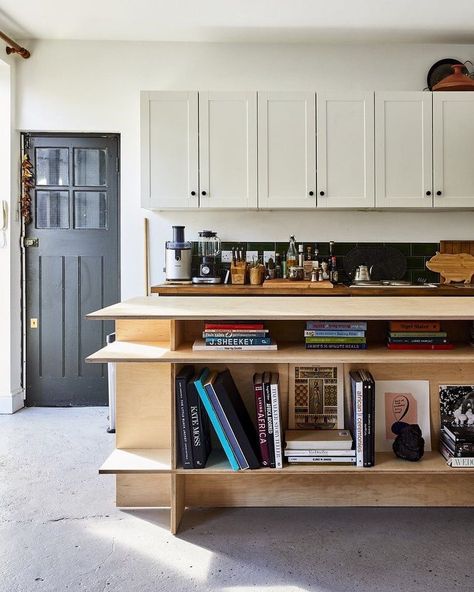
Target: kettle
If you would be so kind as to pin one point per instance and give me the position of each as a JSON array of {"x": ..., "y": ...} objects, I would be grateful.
[{"x": 362, "y": 273}]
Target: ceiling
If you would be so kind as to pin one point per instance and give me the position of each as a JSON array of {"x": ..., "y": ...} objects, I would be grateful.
[{"x": 436, "y": 21}]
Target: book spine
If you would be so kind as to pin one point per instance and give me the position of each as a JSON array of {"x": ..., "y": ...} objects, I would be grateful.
[
  {"x": 372, "y": 421},
  {"x": 430, "y": 340},
  {"x": 216, "y": 425},
  {"x": 319, "y": 452},
  {"x": 335, "y": 340},
  {"x": 269, "y": 418},
  {"x": 238, "y": 341},
  {"x": 336, "y": 346},
  {"x": 415, "y": 325},
  {"x": 333, "y": 333},
  {"x": 199, "y": 437},
  {"x": 420, "y": 346},
  {"x": 457, "y": 439},
  {"x": 365, "y": 422},
  {"x": 321, "y": 459},
  {"x": 235, "y": 334},
  {"x": 276, "y": 416},
  {"x": 261, "y": 425},
  {"x": 359, "y": 424},
  {"x": 184, "y": 424},
  {"x": 233, "y": 326},
  {"x": 337, "y": 325},
  {"x": 417, "y": 334},
  {"x": 461, "y": 462}
]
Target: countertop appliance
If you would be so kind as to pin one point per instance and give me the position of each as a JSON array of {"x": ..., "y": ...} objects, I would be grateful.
[
  {"x": 178, "y": 256},
  {"x": 209, "y": 248}
]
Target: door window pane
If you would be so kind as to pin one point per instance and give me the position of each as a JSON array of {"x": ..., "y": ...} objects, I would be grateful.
[
  {"x": 52, "y": 209},
  {"x": 90, "y": 209},
  {"x": 52, "y": 166},
  {"x": 89, "y": 167}
]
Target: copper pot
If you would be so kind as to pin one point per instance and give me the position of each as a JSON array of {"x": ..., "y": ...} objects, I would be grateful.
[{"x": 455, "y": 81}]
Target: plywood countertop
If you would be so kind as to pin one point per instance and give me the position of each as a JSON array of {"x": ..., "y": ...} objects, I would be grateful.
[{"x": 289, "y": 308}]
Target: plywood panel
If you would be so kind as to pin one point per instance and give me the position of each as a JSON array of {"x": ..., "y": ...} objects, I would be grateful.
[
  {"x": 143, "y": 406},
  {"x": 142, "y": 330},
  {"x": 143, "y": 491},
  {"x": 177, "y": 501},
  {"x": 338, "y": 490}
]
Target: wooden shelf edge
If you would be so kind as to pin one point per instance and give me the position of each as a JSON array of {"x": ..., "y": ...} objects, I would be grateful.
[{"x": 137, "y": 460}]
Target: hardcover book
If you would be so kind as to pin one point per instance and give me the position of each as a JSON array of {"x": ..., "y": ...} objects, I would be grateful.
[
  {"x": 420, "y": 346},
  {"x": 336, "y": 325},
  {"x": 238, "y": 341},
  {"x": 318, "y": 439},
  {"x": 358, "y": 425},
  {"x": 333, "y": 333},
  {"x": 276, "y": 416},
  {"x": 457, "y": 412},
  {"x": 336, "y": 346},
  {"x": 401, "y": 400},
  {"x": 200, "y": 428},
  {"x": 261, "y": 420},
  {"x": 321, "y": 459},
  {"x": 201, "y": 345},
  {"x": 335, "y": 340},
  {"x": 234, "y": 326},
  {"x": 269, "y": 416},
  {"x": 182, "y": 416},
  {"x": 316, "y": 397},
  {"x": 415, "y": 326}
]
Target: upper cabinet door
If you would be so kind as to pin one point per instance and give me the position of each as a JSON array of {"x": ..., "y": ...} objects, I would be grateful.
[
  {"x": 286, "y": 150},
  {"x": 345, "y": 150},
  {"x": 169, "y": 150},
  {"x": 453, "y": 149},
  {"x": 403, "y": 150},
  {"x": 228, "y": 149}
]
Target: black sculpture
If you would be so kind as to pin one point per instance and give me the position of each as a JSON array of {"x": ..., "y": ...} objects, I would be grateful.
[{"x": 409, "y": 443}]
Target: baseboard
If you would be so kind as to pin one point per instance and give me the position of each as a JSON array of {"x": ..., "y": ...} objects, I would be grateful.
[{"x": 13, "y": 402}]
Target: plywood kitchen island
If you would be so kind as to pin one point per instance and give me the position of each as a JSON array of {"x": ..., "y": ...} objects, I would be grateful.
[{"x": 154, "y": 340}]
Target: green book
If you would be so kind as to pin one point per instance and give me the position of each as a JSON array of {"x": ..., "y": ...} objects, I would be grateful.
[
  {"x": 335, "y": 340},
  {"x": 417, "y": 334}
]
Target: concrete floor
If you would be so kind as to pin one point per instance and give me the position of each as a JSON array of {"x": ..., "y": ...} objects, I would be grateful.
[{"x": 59, "y": 531}]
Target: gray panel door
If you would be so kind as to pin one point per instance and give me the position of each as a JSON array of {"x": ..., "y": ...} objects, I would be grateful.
[{"x": 74, "y": 269}]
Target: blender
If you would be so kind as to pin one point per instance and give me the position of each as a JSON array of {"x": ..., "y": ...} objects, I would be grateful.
[{"x": 209, "y": 248}]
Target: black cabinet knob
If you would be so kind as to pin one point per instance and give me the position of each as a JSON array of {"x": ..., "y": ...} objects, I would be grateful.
[
  {"x": 203, "y": 193},
  {"x": 311, "y": 193},
  {"x": 438, "y": 193},
  {"x": 193, "y": 193},
  {"x": 321, "y": 193},
  {"x": 428, "y": 193}
]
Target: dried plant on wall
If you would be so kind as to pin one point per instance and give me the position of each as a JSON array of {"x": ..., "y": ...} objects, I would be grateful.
[{"x": 27, "y": 183}]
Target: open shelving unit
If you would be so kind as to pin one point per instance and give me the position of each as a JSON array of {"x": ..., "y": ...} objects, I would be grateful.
[{"x": 154, "y": 339}]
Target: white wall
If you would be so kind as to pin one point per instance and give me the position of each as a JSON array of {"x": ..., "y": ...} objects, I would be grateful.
[
  {"x": 11, "y": 394},
  {"x": 94, "y": 86}
]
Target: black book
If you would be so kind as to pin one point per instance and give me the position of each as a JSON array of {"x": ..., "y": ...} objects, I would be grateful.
[
  {"x": 371, "y": 418},
  {"x": 200, "y": 428},
  {"x": 459, "y": 449},
  {"x": 269, "y": 415},
  {"x": 182, "y": 416},
  {"x": 238, "y": 417},
  {"x": 459, "y": 434}
]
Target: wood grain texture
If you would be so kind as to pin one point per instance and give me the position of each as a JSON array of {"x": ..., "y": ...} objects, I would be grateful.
[
  {"x": 178, "y": 493},
  {"x": 143, "y": 406},
  {"x": 285, "y": 308},
  {"x": 142, "y": 330},
  {"x": 362, "y": 488},
  {"x": 453, "y": 267},
  {"x": 143, "y": 491}
]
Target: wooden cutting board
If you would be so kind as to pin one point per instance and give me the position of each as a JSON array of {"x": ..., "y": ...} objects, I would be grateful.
[
  {"x": 453, "y": 267},
  {"x": 454, "y": 247},
  {"x": 280, "y": 283}
]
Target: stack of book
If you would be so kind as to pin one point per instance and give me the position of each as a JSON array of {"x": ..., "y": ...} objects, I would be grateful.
[
  {"x": 235, "y": 335},
  {"x": 363, "y": 417},
  {"x": 417, "y": 335},
  {"x": 229, "y": 418},
  {"x": 319, "y": 446},
  {"x": 456, "y": 444},
  {"x": 268, "y": 415},
  {"x": 335, "y": 335},
  {"x": 457, "y": 424}
]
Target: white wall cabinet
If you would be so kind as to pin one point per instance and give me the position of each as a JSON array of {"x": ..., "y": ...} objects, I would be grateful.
[
  {"x": 286, "y": 150},
  {"x": 453, "y": 149},
  {"x": 403, "y": 150},
  {"x": 228, "y": 149},
  {"x": 169, "y": 150},
  {"x": 345, "y": 150}
]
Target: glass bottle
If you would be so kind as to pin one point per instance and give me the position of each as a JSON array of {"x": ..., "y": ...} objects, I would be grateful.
[{"x": 292, "y": 254}]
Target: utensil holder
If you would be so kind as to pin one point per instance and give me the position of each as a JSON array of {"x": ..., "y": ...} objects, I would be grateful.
[
  {"x": 257, "y": 275},
  {"x": 238, "y": 273}
]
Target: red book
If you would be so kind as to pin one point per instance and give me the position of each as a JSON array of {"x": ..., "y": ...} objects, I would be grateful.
[
  {"x": 420, "y": 346},
  {"x": 415, "y": 325},
  {"x": 261, "y": 420},
  {"x": 233, "y": 326}
]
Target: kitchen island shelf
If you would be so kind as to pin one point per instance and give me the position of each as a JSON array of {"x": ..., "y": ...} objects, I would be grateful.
[{"x": 154, "y": 339}]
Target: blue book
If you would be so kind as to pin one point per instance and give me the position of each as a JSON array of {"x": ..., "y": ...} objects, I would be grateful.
[
  {"x": 337, "y": 325},
  {"x": 238, "y": 341},
  {"x": 201, "y": 384}
]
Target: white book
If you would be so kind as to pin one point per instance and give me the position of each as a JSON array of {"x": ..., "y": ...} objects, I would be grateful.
[
  {"x": 318, "y": 439},
  {"x": 276, "y": 416},
  {"x": 357, "y": 387},
  {"x": 461, "y": 462},
  {"x": 321, "y": 459},
  {"x": 318, "y": 452},
  {"x": 200, "y": 345}
]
